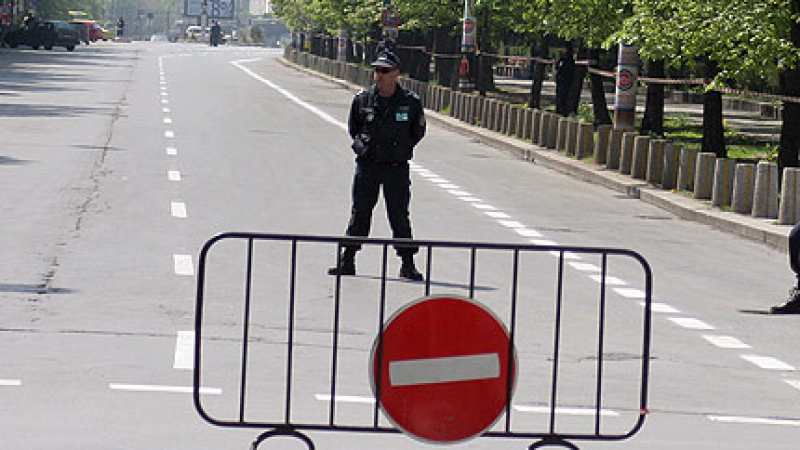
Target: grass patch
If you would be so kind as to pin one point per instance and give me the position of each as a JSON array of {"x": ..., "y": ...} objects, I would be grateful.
[{"x": 679, "y": 129}]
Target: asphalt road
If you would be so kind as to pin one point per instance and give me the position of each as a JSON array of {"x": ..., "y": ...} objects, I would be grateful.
[{"x": 118, "y": 161}]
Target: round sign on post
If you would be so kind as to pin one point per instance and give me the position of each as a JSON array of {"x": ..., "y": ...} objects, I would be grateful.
[{"x": 444, "y": 370}]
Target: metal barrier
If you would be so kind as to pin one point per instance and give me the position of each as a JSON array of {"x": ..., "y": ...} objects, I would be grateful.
[{"x": 582, "y": 348}]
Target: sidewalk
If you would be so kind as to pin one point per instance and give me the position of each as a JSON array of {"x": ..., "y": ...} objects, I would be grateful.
[{"x": 761, "y": 230}]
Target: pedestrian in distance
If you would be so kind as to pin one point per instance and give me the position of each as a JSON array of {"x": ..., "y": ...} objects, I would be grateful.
[
  {"x": 565, "y": 72},
  {"x": 386, "y": 121},
  {"x": 792, "y": 305},
  {"x": 120, "y": 27},
  {"x": 216, "y": 34}
]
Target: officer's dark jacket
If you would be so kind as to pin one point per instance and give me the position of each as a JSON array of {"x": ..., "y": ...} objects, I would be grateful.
[{"x": 386, "y": 130}]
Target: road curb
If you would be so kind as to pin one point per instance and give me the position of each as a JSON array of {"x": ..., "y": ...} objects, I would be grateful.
[{"x": 761, "y": 230}]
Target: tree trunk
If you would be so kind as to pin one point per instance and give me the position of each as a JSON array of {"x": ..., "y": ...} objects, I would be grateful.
[
  {"x": 576, "y": 87},
  {"x": 485, "y": 75},
  {"x": 599, "y": 104},
  {"x": 713, "y": 131},
  {"x": 447, "y": 66},
  {"x": 790, "y": 85},
  {"x": 653, "y": 120},
  {"x": 539, "y": 73}
]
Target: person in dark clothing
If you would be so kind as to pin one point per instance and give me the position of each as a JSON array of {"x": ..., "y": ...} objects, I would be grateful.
[
  {"x": 120, "y": 27},
  {"x": 386, "y": 122},
  {"x": 792, "y": 305},
  {"x": 216, "y": 34},
  {"x": 565, "y": 72}
]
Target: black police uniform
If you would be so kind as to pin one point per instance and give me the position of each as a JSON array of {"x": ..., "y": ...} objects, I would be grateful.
[{"x": 384, "y": 131}]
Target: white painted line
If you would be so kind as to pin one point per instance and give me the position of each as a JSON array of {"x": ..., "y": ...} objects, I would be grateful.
[
  {"x": 527, "y": 232},
  {"x": 470, "y": 199},
  {"x": 172, "y": 151},
  {"x": 567, "y": 255},
  {"x": 449, "y": 186},
  {"x": 755, "y": 421},
  {"x": 439, "y": 180},
  {"x": 793, "y": 383},
  {"x": 157, "y": 388},
  {"x": 497, "y": 215},
  {"x": 428, "y": 174},
  {"x": 484, "y": 206},
  {"x": 661, "y": 308},
  {"x": 183, "y": 265},
  {"x": 167, "y": 120},
  {"x": 768, "y": 362},
  {"x": 173, "y": 175},
  {"x": 324, "y": 116},
  {"x": 10, "y": 382},
  {"x": 414, "y": 372},
  {"x": 584, "y": 267},
  {"x": 165, "y": 110},
  {"x": 164, "y": 101},
  {"x": 566, "y": 411},
  {"x": 725, "y": 341},
  {"x": 184, "y": 351},
  {"x": 630, "y": 292},
  {"x": 346, "y": 399},
  {"x": 511, "y": 224},
  {"x": 178, "y": 210},
  {"x": 690, "y": 323},
  {"x": 610, "y": 281},
  {"x": 459, "y": 193},
  {"x": 169, "y": 134},
  {"x": 543, "y": 242},
  {"x": 164, "y": 94},
  {"x": 163, "y": 88}
]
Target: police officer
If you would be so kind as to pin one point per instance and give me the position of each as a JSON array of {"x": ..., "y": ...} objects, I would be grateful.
[
  {"x": 792, "y": 305},
  {"x": 386, "y": 122}
]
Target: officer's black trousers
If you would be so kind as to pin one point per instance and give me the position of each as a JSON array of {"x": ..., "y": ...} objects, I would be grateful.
[{"x": 367, "y": 183}]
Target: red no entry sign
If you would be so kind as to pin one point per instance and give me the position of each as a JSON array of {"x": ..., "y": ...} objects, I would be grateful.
[{"x": 443, "y": 372}]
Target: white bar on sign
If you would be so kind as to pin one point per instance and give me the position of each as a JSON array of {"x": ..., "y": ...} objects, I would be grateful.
[
  {"x": 184, "y": 351},
  {"x": 346, "y": 399},
  {"x": 449, "y": 369}
]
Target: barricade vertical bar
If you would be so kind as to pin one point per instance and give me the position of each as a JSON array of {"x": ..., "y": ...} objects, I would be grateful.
[
  {"x": 511, "y": 338},
  {"x": 473, "y": 256},
  {"x": 290, "y": 337},
  {"x": 379, "y": 350},
  {"x": 600, "y": 340},
  {"x": 334, "y": 357},
  {"x": 246, "y": 330},
  {"x": 429, "y": 264},
  {"x": 557, "y": 341}
]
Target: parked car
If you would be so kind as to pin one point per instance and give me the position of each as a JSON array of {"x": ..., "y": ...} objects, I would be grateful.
[
  {"x": 48, "y": 34},
  {"x": 196, "y": 33}
]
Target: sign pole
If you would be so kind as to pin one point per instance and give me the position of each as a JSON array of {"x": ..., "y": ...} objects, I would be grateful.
[
  {"x": 465, "y": 79},
  {"x": 627, "y": 84}
]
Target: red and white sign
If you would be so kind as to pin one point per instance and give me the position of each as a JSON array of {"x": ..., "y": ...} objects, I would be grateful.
[{"x": 445, "y": 369}]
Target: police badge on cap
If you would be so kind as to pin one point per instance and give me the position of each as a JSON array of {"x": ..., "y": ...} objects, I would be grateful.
[{"x": 387, "y": 59}]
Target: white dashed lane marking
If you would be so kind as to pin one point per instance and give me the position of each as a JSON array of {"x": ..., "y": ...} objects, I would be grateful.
[
  {"x": 173, "y": 175},
  {"x": 754, "y": 421},
  {"x": 183, "y": 265},
  {"x": 10, "y": 382},
  {"x": 768, "y": 362},
  {"x": 169, "y": 134},
  {"x": 158, "y": 388},
  {"x": 167, "y": 120},
  {"x": 178, "y": 210},
  {"x": 693, "y": 324},
  {"x": 725, "y": 341},
  {"x": 172, "y": 151},
  {"x": 662, "y": 308},
  {"x": 184, "y": 351}
]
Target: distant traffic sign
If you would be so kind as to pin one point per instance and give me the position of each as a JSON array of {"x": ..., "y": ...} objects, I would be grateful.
[
  {"x": 445, "y": 370},
  {"x": 390, "y": 17}
]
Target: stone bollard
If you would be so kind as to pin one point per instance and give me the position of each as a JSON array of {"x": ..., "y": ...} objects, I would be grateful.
[
  {"x": 502, "y": 126},
  {"x": 511, "y": 120},
  {"x": 536, "y": 126},
  {"x": 614, "y": 149},
  {"x": 743, "y": 185},
  {"x": 724, "y": 172},
  {"x": 544, "y": 128},
  {"x": 572, "y": 137},
  {"x": 669, "y": 174},
  {"x": 555, "y": 125},
  {"x": 704, "y": 176},
  {"x": 655, "y": 161},
  {"x": 601, "y": 146},
  {"x": 585, "y": 140},
  {"x": 626, "y": 156},
  {"x": 491, "y": 118},
  {"x": 525, "y": 124},
  {"x": 641, "y": 146},
  {"x": 765, "y": 199},
  {"x": 687, "y": 165},
  {"x": 789, "y": 211},
  {"x": 563, "y": 125}
]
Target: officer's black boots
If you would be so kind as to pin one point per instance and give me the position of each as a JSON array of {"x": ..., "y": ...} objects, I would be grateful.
[
  {"x": 408, "y": 270},
  {"x": 791, "y": 306},
  {"x": 346, "y": 264}
]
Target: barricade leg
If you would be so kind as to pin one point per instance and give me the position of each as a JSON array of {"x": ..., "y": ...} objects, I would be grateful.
[
  {"x": 289, "y": 432},
  {"x": 553, "y": 441}
]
